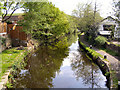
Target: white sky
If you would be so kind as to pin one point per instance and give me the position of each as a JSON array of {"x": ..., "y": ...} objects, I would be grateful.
[{"x": 105, "y": 6}]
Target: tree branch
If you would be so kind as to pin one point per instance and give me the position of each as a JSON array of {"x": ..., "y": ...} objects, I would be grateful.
[{"x": 15, "y": 8}]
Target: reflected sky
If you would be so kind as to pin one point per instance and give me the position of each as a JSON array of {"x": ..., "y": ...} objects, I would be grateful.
[
  {"x": 62, "y": 65},
  {"x": 66, "y": 78}
]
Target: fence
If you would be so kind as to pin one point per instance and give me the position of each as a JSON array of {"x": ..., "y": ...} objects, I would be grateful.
[
  {"x": 16, "y": 32},
  {"x": 3, "y": 27}
]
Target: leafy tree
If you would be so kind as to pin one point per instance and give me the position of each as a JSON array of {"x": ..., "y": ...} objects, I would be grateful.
[
  {"x": 44, "y": 20},
  {"x": 88, "y": 19},
  {"x": 72, "y": 24},
  {"x": 0, "y": 9}
]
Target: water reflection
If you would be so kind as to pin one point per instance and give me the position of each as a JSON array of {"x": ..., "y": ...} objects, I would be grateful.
[
  {"x": 87, "y": 71},
  {"x": 60, "y": 65}
]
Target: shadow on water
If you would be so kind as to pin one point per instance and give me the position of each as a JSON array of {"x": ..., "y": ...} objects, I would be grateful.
[{"x": 61, "y": 65}]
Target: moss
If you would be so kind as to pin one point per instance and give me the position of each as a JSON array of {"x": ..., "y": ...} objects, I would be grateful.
[
  {"x": 93, "y": 52},
  {"x": 114, "y": 79}
]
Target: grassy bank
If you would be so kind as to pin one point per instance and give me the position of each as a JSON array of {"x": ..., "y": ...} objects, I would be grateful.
[
  {"x": 93, "y": 52},
  {"x": 95, "y": 55},
  {"x": 111, "y": 52},
  {"x": 10, "y": 58}
]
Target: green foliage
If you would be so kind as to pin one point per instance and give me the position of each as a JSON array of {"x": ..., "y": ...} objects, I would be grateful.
[
  {"x": 72, "y": 24},
  {"x": 100, "y": 40},
  {"x": 107, "y": 74},
  {"x": 111, "y": 52},
  {"x": 43, "y": 20},
  {"x": 93, "y": 52},
  {"x": 2, "y": 40},
  {"x": 87, "y": 19},
  {"x": 0, "y": 8},
  {"x": 9, "y": 85}
]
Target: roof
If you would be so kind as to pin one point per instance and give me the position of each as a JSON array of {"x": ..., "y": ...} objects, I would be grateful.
[
  {"x": 108, "y": 18},
  {"x": 12, "y": 18}
]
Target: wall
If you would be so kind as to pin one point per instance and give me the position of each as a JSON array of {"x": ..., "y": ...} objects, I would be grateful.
[
  {"x": 102, "y": 65},
  {"x": 7, "y": 44}
]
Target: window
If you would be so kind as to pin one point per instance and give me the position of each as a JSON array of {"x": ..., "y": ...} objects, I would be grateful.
[{"x": 108, "y": 27}]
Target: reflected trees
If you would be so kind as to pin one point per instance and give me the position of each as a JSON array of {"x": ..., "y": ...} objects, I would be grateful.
[{"x": 85, "y": 70}]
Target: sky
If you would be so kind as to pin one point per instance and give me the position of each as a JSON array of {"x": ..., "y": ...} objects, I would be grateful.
[{"x": 104, "y": 6}]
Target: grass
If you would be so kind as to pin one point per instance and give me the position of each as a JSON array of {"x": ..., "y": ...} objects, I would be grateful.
[
  {"x": 9, "y": 58},
  {"x": 113, "y": 43},
  {"x": 93, "y": 52},
  {"x": 117, "y": 45},
  {"x": 111, "y": 52}
]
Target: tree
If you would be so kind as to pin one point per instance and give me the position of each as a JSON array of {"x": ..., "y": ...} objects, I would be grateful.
[
  {"x": 72, "y": 24},
  {"x": 44, "y": 21},
  {"x": 117, "y": 9},
  {"x": 9, "y": 7},
  {"x": 117, "y": 15},
  {"x": 88, "y": 19}
]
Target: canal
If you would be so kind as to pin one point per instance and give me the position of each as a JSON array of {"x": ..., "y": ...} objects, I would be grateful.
[{"x": 62, "y": 65}]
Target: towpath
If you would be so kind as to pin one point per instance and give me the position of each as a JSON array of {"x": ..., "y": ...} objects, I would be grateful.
[{"x": 113, "y": 62}]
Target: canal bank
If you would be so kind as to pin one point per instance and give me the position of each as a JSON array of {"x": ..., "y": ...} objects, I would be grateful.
[
  {"x": 12, "y": 60},
  {"x": 108, "y": 66},
  {"x": 62, "y": 65}
]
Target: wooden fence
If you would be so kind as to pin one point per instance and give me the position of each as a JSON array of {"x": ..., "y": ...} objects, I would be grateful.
[
  {"x": 3, "y": 27},
  {"x": 16, "y": 32}
]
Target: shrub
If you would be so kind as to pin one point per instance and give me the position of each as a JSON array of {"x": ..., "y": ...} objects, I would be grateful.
[
  {"x": 100, "y": 40},
  {"x": 2, "y": 40}
]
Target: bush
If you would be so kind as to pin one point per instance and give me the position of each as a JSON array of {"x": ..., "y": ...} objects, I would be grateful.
[
  {"x": 100, "y": 40},
  {"x": 2, "y": 40}
]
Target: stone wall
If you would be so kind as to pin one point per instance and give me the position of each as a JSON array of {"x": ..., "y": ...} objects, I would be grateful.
[
  {"x": 7, "y": 44},
  {"x": 102, "y": 65}
]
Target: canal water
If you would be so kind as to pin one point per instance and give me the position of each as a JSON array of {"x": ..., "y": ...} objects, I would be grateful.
[{"x": 62, "y": 65}]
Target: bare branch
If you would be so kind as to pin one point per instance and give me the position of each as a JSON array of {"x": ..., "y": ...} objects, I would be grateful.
[{"x": 15, "y": 8}]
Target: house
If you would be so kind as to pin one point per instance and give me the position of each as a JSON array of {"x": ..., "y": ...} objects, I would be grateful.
[
  {"x": 15, "y": 32},
  {"x": 13, "y": 19},
  {"x": 3, "y": 28},
  {"x": 107, "y": 25}
]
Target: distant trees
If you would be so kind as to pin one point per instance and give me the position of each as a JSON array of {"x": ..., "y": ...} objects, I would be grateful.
[
  {"x": 117, "y": 9},
  {"x": 117, "y": 15},
  {"x": 87, "y": 19}
]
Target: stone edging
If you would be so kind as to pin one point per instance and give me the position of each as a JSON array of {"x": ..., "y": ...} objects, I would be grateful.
[{"x": 102, "y": 65}]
